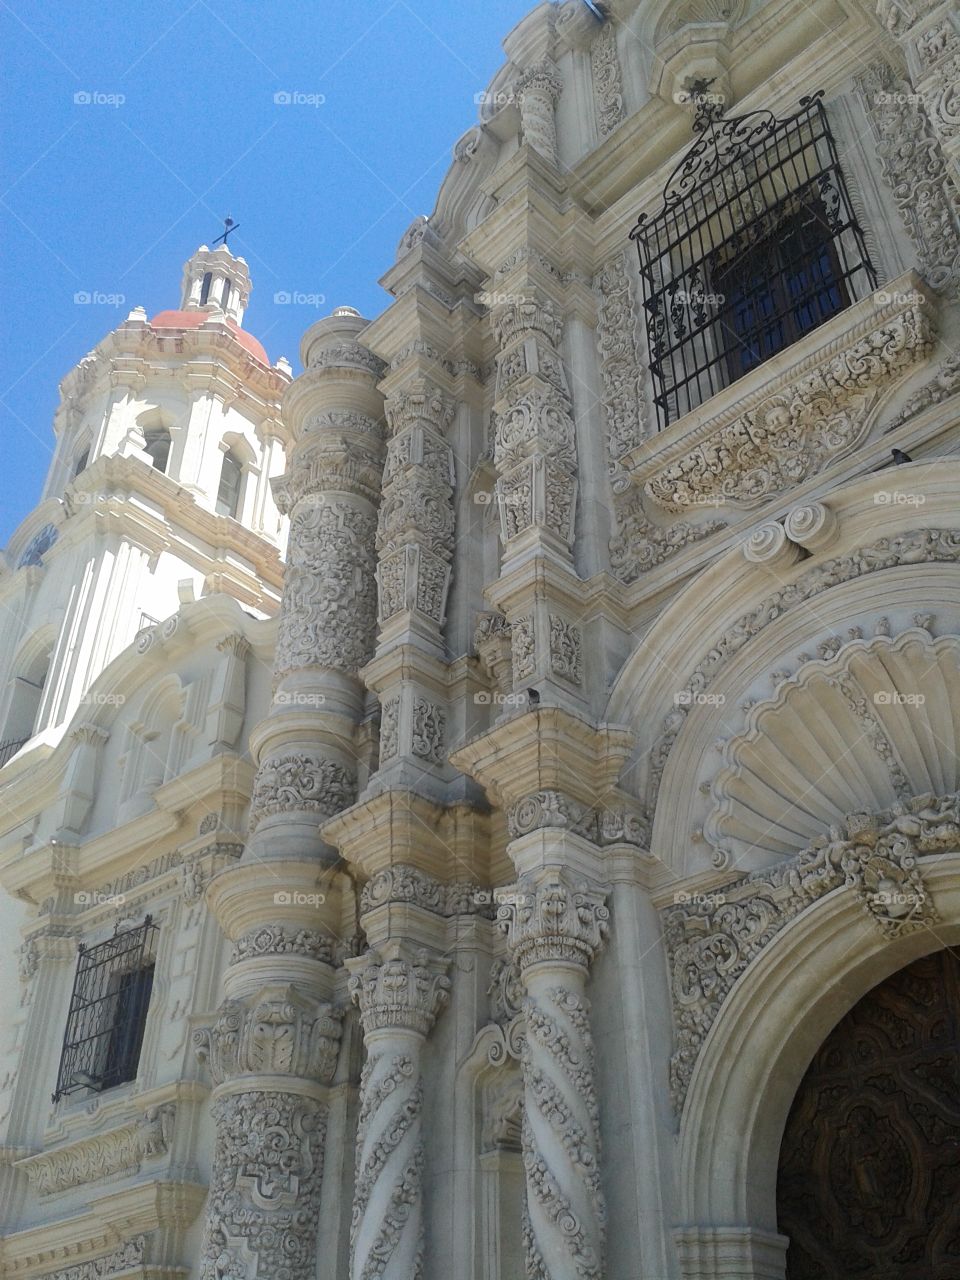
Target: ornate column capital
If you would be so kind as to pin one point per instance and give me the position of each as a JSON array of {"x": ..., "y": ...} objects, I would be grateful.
[
  {"x": 399, "y": 992},
  {"x": 553, "y": 921},
  {"x": 277, "y": 1031}
]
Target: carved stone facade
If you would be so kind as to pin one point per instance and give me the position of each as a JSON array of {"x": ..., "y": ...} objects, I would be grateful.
[
  {"x": 511, "y": 849},
  {"x": 554, "y": 930},
  {"x": 399, "y": 999}
]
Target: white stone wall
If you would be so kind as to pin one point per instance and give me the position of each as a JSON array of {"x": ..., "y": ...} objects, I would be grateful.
[{"x": 589, "y": 774}]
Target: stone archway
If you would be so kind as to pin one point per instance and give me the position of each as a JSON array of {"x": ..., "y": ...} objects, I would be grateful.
[{"x": 869, "y": 1173}]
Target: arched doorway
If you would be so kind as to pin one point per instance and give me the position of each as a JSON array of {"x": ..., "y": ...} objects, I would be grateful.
[{"x": 869, "y": 1175}]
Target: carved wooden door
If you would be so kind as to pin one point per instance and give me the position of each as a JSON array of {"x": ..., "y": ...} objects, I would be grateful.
[{"x": 869, "y": 1179}]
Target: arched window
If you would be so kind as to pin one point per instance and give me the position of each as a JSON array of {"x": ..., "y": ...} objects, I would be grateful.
[
  {"x": 205, "y": 287},
  {"x": 24, "y": 707},
  {"x": 231, "y": 484},
  {"x": 81, "y": 462},
  {"x": 157, "y": 445}
]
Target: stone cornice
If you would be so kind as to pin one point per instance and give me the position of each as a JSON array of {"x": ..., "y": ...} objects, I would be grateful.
[
  {"x": 114, "y": 483},
  {"x": 546, "y": 749},
  {"x": 105, "y": 1225},
  {"x": 101, "y": 1155},
  {"x": 403, "y": 827}
]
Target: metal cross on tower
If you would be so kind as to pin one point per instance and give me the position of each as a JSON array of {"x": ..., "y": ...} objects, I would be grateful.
[{"x": 228, "y": 226}]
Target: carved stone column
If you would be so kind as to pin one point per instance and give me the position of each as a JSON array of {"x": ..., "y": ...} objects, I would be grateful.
[
  {"x": 271, "y": 1053},
  {"x": 537, "y": 92},
  {"x": 554, "y": 927},
  {"x": 273, "y": 1048},
  {"x": 399, "y": 994},
  {"x": 328, "y": 612}
]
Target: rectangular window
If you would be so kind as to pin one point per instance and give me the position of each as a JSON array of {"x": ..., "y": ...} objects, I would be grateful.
[
  {"x": 108, "y": 1011},
  {"x": 756, "y": 244}
]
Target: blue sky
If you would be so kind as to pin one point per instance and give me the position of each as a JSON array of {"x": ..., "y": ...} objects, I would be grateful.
[{"x": 110, "y": 196}]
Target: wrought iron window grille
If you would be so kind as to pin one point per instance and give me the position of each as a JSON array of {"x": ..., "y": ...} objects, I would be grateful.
[
  {"x": 756, "y": 244},
  {"x": 108, "y": 1011}
]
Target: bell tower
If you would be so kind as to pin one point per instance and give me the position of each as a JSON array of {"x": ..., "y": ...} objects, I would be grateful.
[
  {"x": 214, "y": 280},
  {"x": 168, "y": 436}
]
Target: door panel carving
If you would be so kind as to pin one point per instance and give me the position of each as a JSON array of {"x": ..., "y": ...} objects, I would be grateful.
[{"x": 869, "y": 1178}]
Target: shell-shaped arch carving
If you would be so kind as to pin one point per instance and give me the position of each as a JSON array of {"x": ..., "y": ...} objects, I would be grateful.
[{"x": 872, "y": 726}]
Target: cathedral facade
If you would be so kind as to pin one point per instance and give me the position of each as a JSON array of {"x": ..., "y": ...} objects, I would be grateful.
[{"x": 489, "y": 805}]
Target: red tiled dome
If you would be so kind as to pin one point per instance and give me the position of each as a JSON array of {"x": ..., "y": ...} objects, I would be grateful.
[{"x": 194, "y": 319}]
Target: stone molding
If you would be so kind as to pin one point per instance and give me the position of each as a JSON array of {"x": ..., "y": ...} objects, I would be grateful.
[
  {"x": 408, "y": 884},
  {"x": 120, "y": 1150},
  {"x": 123, "y": 1258},
  {"x": 810, "y": 414},
  {"x": 712, "y": 939},
  {"x": 942, "y": 386},
  {"x": 279, "y": 940},
  {"x": 276, "y": 1031}
]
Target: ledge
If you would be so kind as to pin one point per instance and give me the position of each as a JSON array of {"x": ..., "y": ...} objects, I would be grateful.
[{"x": 791, "y": 416}]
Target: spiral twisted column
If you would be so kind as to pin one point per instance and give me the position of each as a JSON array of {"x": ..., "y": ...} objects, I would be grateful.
[
  {"x": 554, "y": 928},
  {"x": 399, "y": 997}
]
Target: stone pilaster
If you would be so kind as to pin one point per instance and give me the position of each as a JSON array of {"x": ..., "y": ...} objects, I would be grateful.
[
  {"x": 416, "y": 526},
  {"x": 415, "y": 540},
  {"x": 535, "y": 449},
  {"x": 554, "y": 927},
  {"x": 929, "y": 35},
  {"x": 400, "y": 993},
  {"x": 535, "y": 455}
]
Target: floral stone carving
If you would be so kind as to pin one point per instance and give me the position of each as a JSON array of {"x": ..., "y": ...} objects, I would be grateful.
[
  {"x": 265, "y": 1188},
  {"x": 796, "y": 432},
  {"x": 311, "y": 784},
  {"x": 120, "y": 1150},
  {"x": 328, "y": 612},
  {"x": 399, "y": 999},
  {"x": 712, "y": 939}
]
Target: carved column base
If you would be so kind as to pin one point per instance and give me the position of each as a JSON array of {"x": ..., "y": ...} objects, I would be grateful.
[{"x": 265, "y": 1186}]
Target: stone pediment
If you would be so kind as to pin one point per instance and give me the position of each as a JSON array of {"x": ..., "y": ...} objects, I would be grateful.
[{"x": 796, "y": 413}]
